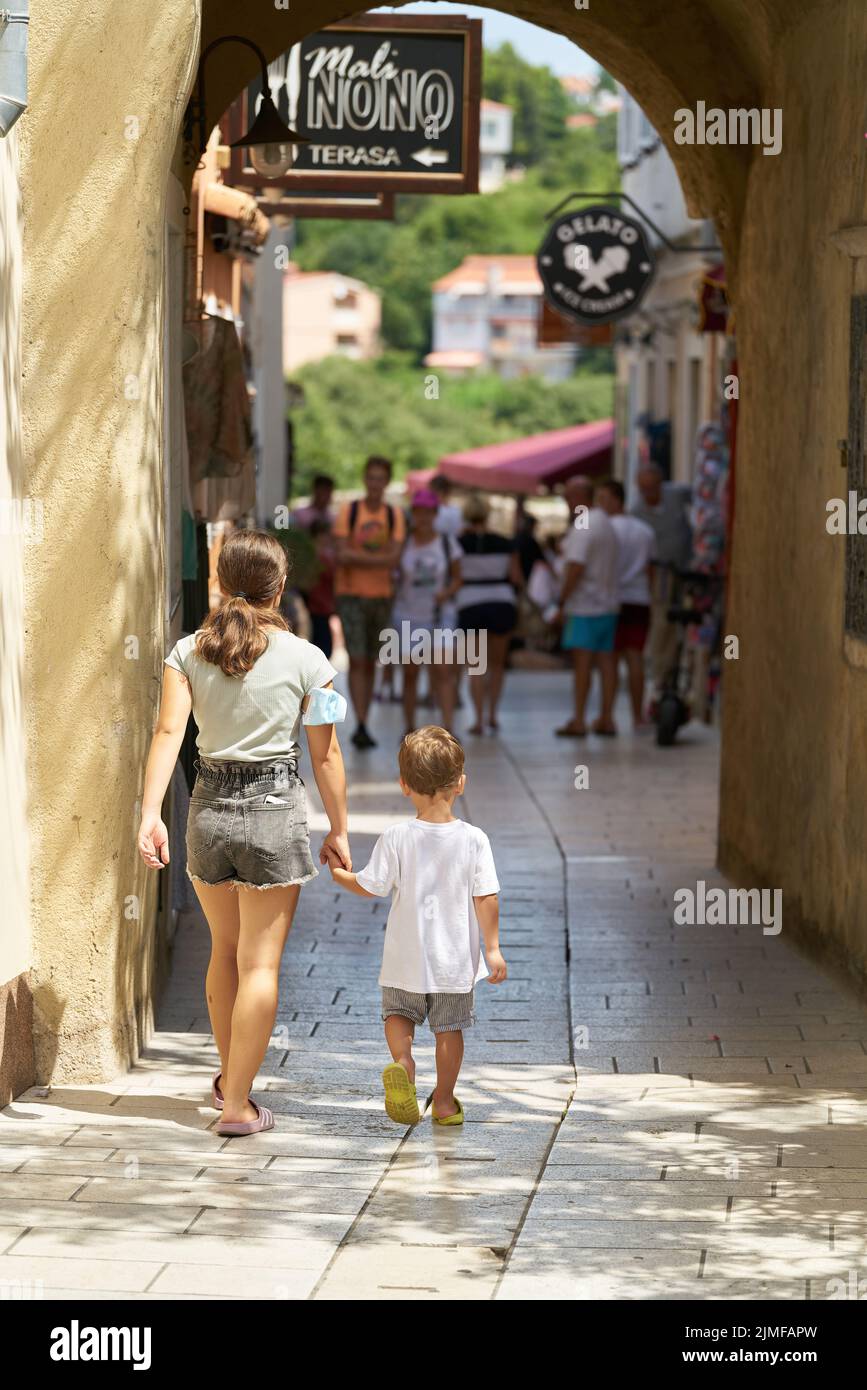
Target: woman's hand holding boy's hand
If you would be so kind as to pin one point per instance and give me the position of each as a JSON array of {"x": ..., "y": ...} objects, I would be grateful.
[
  {"x": 335, "y": 845},
  {"x": 332, "y": 860},
  {"x": 497, "y": 966}
]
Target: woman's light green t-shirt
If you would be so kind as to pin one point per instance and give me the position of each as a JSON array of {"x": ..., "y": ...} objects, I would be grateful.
[{"x": 255, "y": 717}]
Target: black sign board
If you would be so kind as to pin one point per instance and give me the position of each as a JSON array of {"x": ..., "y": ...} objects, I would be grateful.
[
  {"x": 595, "y": 264},
  {"x": 387, "y": 103}
]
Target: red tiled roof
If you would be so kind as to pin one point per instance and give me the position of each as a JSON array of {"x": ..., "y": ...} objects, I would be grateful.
[{"x": 476, "y": 269}]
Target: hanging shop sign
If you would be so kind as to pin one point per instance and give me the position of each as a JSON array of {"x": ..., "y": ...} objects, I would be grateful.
[
  {"x": 387, "y": 103},
  {"x": 595, "y": 264},
  {"x": 554, "y": 328},
  {"x": 370, "y": 207}
]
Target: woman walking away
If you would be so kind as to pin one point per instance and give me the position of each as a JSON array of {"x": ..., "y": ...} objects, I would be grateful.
[
  {"x": 247, "y": 680},
  {"x": 429, "y": 577},
  {"x": 491, "y": 574}
]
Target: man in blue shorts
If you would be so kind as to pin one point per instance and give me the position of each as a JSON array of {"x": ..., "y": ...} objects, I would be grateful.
[{"x": 589, "y": 605}]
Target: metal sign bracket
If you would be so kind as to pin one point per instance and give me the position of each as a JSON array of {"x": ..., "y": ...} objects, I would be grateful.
[{"x": 670, "y": 245}]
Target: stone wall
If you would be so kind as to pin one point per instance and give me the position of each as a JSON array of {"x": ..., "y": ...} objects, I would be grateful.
[
  {"x": 794, "y": 790},
  {"x": 19, "y": 526},
  {"x": 108, "y": 86}
]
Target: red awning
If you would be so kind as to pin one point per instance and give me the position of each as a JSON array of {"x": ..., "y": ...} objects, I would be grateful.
[{"x": 523, "y": 465}]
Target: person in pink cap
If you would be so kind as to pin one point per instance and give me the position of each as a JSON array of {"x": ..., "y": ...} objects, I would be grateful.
[{"x": 429, "y": 575}]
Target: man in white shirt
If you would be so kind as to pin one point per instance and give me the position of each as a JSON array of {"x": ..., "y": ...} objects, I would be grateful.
[
  {"x": 664, "y": 506},
  {"x": 636, "y": 544},
  {"x": 589, "y": 605},
  {"x": 450, "y": 519}
]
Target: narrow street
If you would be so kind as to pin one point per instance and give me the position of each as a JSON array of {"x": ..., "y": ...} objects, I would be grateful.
[{"x": 652, "y": 1111}]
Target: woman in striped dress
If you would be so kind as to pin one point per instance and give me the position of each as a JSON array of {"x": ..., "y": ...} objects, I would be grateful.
[{"x": 486, "y": 603}]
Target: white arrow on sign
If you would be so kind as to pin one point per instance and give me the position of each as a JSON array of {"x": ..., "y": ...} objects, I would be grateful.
[{"x": 431, "y": 157}]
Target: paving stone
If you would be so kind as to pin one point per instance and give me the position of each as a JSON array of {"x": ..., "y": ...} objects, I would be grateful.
[
  {"x": 123, "y": 1274},
  {"x": 410, "y": 1272},
  {"x": 237, "y": 1196},
  {"x": 186, "y": 1248},
  {"x": 265, "y": 1281},
  {"x": 99, "y": 1216}
]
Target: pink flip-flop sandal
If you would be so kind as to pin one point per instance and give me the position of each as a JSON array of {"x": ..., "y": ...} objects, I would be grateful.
[
  {"x": 264, "y": 1120},
  {"x": 216, "y": 1093}
]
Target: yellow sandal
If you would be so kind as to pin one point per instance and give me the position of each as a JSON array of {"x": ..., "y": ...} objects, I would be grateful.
[
  {"x": 456, "y": 1119},
  {"x": 401, "y": 1101}
]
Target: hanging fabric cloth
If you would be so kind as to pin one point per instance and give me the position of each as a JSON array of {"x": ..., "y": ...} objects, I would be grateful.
[{"x": 216, "y": 403}]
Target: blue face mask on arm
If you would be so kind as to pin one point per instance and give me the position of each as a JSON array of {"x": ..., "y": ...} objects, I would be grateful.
[{"x": 325, "y": 707}]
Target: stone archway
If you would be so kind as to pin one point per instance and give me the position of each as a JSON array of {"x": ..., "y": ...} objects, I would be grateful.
[
  {"x": 783, "y": 745},
  {"x": 795, "y": 723},
  {"x": 669, "y": 56}
]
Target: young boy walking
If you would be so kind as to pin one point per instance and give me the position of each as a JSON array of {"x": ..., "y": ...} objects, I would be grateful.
[{"x": 440, "y": 873}]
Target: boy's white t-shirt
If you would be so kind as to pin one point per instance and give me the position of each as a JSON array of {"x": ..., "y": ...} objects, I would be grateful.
[{"x": 432, "y": 938}]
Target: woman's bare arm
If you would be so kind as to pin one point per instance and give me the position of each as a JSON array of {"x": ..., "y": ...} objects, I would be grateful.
[
  {"x": 330, "y": 774},
  {"x": 175, "y": 706}
]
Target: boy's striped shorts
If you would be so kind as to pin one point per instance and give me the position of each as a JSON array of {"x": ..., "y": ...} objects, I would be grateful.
[{"x": 445, "y": 1013}]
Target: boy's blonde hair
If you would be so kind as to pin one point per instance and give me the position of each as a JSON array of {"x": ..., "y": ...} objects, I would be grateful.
[{"x": 430, "y": 760}]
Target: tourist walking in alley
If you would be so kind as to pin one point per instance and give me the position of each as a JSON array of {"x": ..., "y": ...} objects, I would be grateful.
[
  {"x": 319, "y": 507},
  {"x": 589, "y": 605},
  {"x": 320, "y": 596},
  {"x": 247, "y": 680},
  {"x": 663, "y": 506},
  {"x": 487, "y": 605},
  {"x": 441, "y": 873},
  {"x": 635, "y": 549},
  {"x": 428, "y": 579},
  {"x": 317, "y": 519},
  {"x": 450, "y": 518},
  {"x": 370, "y": 533}
]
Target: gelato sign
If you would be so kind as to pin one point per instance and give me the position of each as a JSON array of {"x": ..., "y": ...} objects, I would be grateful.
[
  {"x": 595, "y": 264},
  {"x": 387, "y": 103}
]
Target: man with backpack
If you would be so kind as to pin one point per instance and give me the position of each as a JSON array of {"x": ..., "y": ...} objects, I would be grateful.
[{"x": 370, "y": 534}]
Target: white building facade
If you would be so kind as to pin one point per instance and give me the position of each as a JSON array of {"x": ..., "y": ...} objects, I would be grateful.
[
  {"x": 486, "y": 315},
  {"x": 667, "y": 370},
  {"x": 495, "y": 144}
]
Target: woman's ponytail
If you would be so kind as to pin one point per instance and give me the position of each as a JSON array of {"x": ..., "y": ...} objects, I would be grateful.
[{"x": 251, "y": 569}]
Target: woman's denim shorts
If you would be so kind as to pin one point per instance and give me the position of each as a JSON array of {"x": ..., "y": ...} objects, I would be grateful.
[{"x": 248, "y": 825}]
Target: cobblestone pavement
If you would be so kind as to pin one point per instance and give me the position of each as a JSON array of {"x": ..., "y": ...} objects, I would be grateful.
[{"x": 652, "y": 1111}]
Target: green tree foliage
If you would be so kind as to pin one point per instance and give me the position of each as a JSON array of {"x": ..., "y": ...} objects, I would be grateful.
[
  {"x": 353, "y": 409},
  {"x": 537, "y": 98}
]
